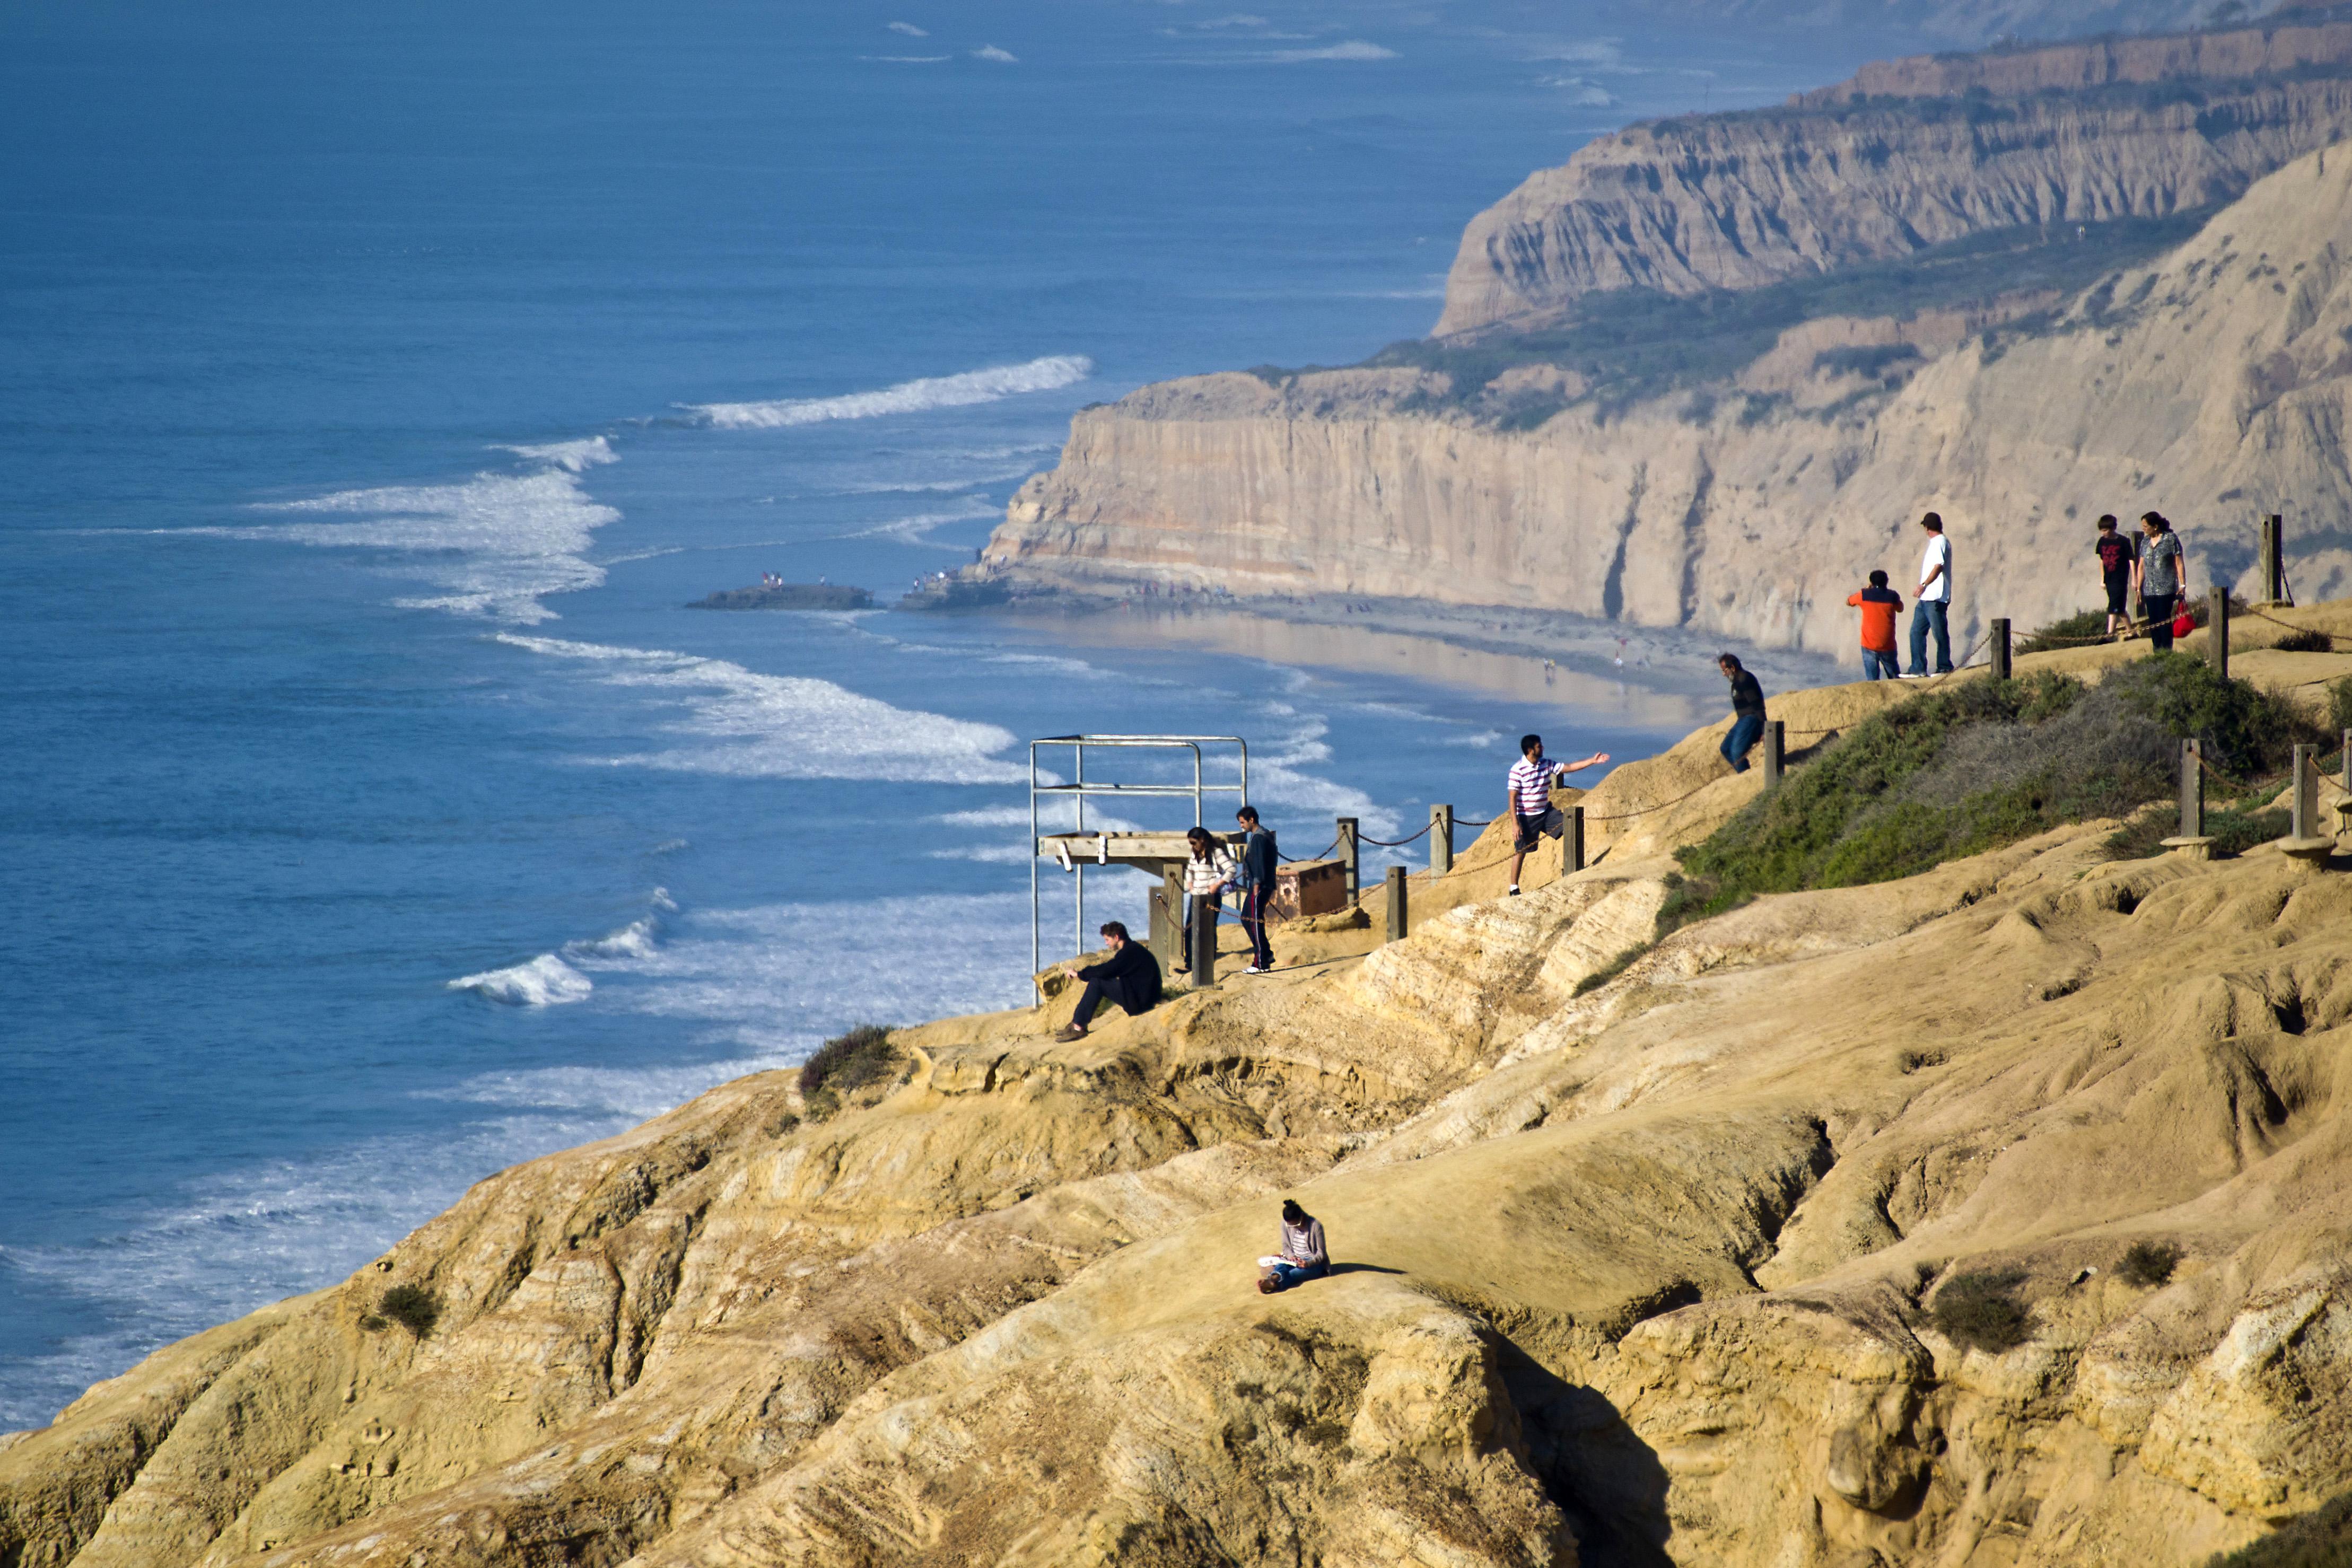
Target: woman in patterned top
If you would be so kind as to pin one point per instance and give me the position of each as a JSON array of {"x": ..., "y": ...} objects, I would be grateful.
[{"x": 1207, "y": 874}]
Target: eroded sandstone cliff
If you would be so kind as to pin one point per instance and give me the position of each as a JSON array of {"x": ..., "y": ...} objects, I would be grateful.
[
  {"x": 1629, "y": 1268},
  {"x": 2065, "y": 135},
  {"x": 2212, "y": 384}
]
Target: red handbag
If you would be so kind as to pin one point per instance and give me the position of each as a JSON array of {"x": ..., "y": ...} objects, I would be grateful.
[{"x": 2183, "y": 624}]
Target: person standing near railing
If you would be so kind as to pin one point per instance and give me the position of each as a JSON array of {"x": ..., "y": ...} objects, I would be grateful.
[
  {"x": 1931, "y": 608},
  {"x": 1210, "y": 869},
  {"x": 1258, "y": 859},
  {"x": 1532, "y": 812},
  {"x": 2163, "y": 577}
]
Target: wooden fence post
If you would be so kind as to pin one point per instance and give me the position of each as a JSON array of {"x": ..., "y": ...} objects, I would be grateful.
[
  {"x": 2001, "y": 662},
  {"x": 1571, "y": 843},
  {"x": 2306, "y": 795},
  {"x": 2217, "y": 631},
  {"x": 1347, "y": 852},
  {"x": 2273, "y": 560},
  {"x": 1204, "y": 944},
  {"x": 1441, "y": 840},
  {"x": 1775, "y": 754},
  {"x": 1396, "y": 904},
  {"x": 2192, "y": 790}
]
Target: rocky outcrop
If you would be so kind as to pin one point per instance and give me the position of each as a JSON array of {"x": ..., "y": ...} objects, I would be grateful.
[
  {"x": 1625, "y": 1265},
  {"x": 2065, "y": 135},
  {"x": 2211, "y": 385}
]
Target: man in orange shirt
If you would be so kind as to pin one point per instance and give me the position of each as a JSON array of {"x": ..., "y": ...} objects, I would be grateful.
[{"x": 1879, "y": 605}]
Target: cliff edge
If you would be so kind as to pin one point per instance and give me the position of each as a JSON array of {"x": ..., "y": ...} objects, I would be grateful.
[{"x": 1636, "y": 1261}]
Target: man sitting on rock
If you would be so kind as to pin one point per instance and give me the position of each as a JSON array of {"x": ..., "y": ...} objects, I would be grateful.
[
  {"x": 1746, "y": 711},
  {"x": 1302, "y": 1256},
  {"x": 1129, "y": 977}
]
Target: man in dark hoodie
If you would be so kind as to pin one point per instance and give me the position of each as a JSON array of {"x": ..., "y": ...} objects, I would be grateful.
[
  {"x": 1129, "y": 977},
  {"x": 1746, "y": 711},
  {"x": 1259, "y": 857}
]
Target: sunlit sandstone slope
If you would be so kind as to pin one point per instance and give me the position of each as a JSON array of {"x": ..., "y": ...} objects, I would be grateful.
[{"x": 1637, "y": 1270}]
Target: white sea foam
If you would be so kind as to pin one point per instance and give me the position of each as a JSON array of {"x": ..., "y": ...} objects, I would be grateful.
[
  {"x": 908, "y": 397},
  {"x": 748, "y": 725},
  {"x": 634, "y": 940},
  {"x": 572, "y": 457},
  {"x": 494, "y": 545},
  {"x": 545, "y": 981},
  {"x": 917, "y": 529}
]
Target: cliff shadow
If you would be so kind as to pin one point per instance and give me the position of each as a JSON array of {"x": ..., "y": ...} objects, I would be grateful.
[{"x": 1592, "y": 1466}]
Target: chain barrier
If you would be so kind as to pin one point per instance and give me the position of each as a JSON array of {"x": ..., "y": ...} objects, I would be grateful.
[{"x": 1393, "y": 843}]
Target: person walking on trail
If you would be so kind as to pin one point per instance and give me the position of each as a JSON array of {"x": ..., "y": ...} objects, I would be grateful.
[
  {"x": 1129, "y": 977},
  {"x": 1931, "y": 607},
  {"x": 1259, "y": 859},
  {"x": 1746, "y": 711},
  {"x": 1210, "y": 869},
  {"x": 1879, "y": 605},
  {"x": 2118, "y": 561},
  {"x": 1299, "y": 1257},
  {"x": 2163, "y": 577},
  {"x": 1531, "y": 809}
]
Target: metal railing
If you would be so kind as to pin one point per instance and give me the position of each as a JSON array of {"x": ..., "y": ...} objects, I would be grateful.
[{"x": 1078, "y": 789}]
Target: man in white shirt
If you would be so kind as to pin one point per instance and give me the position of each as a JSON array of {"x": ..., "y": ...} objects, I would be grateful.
[
  {"x": 1931, "y": 607},
  {"x": 1532, "y": 812}
]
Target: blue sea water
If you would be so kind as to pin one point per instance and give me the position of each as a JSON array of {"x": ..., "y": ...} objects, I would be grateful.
[{"x": 380, "y": 381}]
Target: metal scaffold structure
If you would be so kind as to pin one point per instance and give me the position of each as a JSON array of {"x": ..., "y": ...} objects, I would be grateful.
[{"x": 1161, "y": 851}]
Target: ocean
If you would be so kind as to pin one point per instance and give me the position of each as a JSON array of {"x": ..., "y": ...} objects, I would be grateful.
[{"x": 382, "y": 381}]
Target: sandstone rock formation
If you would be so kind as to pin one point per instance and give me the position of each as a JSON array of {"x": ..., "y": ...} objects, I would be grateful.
[
  {"x": 2070, "y": 134},
  {"x": 2212, "y": 384},
  {"x": 1638, "y": 1270}
]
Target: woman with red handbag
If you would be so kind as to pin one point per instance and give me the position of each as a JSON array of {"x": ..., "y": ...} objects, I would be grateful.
[{"x": 2163, "y": 574}]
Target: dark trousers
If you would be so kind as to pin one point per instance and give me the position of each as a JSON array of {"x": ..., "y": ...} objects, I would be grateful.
[
  {"x": 1746, "y": 730},
  {"x": 1931, "y": 615},
  {"x": 1254, "y": 903},
  {"x": 1193, "y": 903},
  {"x": 2161, "y": 608},
  {"x": 1130, "y": 994}
]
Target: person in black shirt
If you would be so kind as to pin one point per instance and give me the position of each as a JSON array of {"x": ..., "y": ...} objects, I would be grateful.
[
  {"x": 1129, "y": 977},
  {"x": 1746, "y": 711},
  {"x": 1260, "y": 861},
  {"x": 2116, "y": 556}
]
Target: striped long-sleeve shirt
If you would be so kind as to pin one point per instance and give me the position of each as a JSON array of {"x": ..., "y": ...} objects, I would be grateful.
[{"x": 1205, "y": 874}]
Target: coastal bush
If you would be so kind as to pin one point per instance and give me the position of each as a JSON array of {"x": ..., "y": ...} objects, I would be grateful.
[
  {"x": 2339, "y": 707},
  {"x": 1973, "y": 766},
  {"x": 844, "y": 1064},
  {"x": 2320, "y": 1538},
  {"x": 2069, "y": 631},
  {"x": 2148, "y": 1263},
  {"x": 2305, "y": 640},
  {"x": 411, "y": 1306},
  {"x": 1981, "y": 1311}
]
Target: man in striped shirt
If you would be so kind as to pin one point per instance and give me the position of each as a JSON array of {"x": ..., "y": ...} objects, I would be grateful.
[{"x": 1532, "y": 808}]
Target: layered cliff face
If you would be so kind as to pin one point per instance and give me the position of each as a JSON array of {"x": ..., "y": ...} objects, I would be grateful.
[
  {"x": 2211, "y": 385},
  {"x": 1639, "y": 1268},
  {"x": 2066, "y": 135}
]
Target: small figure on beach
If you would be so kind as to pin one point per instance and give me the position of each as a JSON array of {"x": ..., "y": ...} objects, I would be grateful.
[
  {"x": 1879, "y": 605},
  {"x": 1529, "y": 787},
  {"x": 2118, "y": 557},
  {"x": 1301, "y": 1255},
  {"x": 1746, "y": 711},
  {"x": 1129, "y": 977},
  {"x": 2163, "y": 577},
  {"x": 1931, "y": 609}
]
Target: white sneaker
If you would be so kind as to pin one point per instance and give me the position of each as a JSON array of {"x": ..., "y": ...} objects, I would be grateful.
[
  {"x": 1258, "y": 969},
  {"x": 1515, "y": 890}
]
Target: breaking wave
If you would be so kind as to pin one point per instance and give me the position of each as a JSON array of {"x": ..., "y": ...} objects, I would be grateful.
[
  {"x": 908, "y": 397},
  {"x": 546, "y": 981}
]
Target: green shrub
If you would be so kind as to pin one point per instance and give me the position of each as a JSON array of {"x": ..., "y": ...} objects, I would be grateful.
[
  {"x": 413, "y": 1307},
  {"x": 2320, "y": 1538},
  {"x": 1978, "y": 764},
  {"x": 2305, "y": 640},
  {"x": 1981, "y": 1311},
  {"x": 2071, "y": 632},
  {"x": 844, "y": 1064},
  {"x": 2340, "y": 708},
  {"x": 2148, "y": 1263}
]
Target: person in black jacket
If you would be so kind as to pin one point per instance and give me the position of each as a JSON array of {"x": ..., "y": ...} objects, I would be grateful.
[
  {"x": 1259, "y": 857},
  {"x": 1129, "y": 977},
  {"x": 1746, "y": 711}
]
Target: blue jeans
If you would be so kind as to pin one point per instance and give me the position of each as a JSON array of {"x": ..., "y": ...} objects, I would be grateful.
[
  {"x": 1878, "y": 666},
  {"x": 1288, "y": 1274},
  {"x": 1746, "y": 730},
  {"x": 1925, "y": 614}
]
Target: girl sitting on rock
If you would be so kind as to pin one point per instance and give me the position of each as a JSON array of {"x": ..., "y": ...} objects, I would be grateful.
[{"x": 1303, "y": 1256}]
